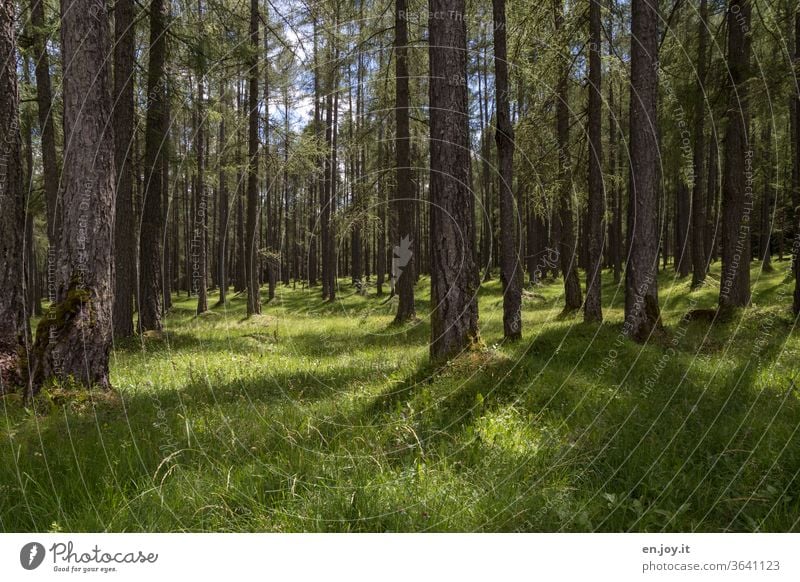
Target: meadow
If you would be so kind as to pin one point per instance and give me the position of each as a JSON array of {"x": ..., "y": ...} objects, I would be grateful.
[{"x": 321, "y": 416}]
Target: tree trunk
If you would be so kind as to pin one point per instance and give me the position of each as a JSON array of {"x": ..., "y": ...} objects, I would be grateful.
[
  {"x": 150, "y": 245},
  {"x": 510, "y": 266},
  {"x": 796, "y": 180},
  {"x": 454, "y": 318},
  {"x": 765, "y": 222},
  {"x": 565, "y": 227},
  {"x": 224, "y": 203},
  {"x": 737, "y": 187},
  {"x": 642, "y": 314},
  {"x": 403, "y": 258},
  {"x": 251, "y": 266},
  {"x": 712, "y": 212},
  {"x": 13, "y": 322},
  {"x": 592, "y": 309},
  {"x": 73, "y": 340},
  {"x": 682, "y": 229},
  {"x": 44, "y": 99},
  {"x": 699, "y": 256},
  {"x": 124, "y": 235},
  {"x": 200, "y": 219}
]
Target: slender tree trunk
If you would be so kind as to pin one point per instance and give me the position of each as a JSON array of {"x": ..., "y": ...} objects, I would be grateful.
[
  {"x": 642, "y": 313},
  {"x": 796, "y": 174},
  {"x": 13, "y": 322},
  {"x": 765, "y": 218},
  {"x": 224, "y": 203},
  {"x": 699, "y": 256},
  {"x": 510, "y": 265},
  {"x": 737, "y": 188},
  {"x": 150, "y": 246},
  {"x": 454, "y": 318},
  {"x": 166, "y": 284},
  {"x": 44, "y": 99},
  {"x": 712, "y": 212},
  {"x": 403, "y": 260},
  {"x": 200, "y": 218},
  {"x": 251, "y": 267},
  {"x": 682, "y": 229},
  {"x": 593, "y": 310},
  {"x": 565, "y": 220},
  {"x": 73, "y": 340}
]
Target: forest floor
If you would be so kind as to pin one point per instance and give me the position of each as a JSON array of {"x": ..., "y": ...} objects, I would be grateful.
[{"x": 324, "y": 417}]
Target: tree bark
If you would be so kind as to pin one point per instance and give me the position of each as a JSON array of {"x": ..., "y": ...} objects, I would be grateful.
[
  {"x": 403, "y": 259},
  {"x": 454, "y": 318},
  {"x": 224, "y": 202},
  {"x": 13, "y": 322},
  {"x": 124, "y": 235},
  {"x": 642, "y": 314},
  {"x": 44, "y": 100},
  {"x": 565, "y": 227},
  {"x": 73, "y": 340},
  {"x": 595, "y": 223},
  {"x": 510, "y": 265},
  {"x": 200, "y": 218},
  {"x": 150, "y": 245},
  {"x": 737, "y": 187},
  {"x": 251, "y": 266},
  {"x": 699, "y": 255}
]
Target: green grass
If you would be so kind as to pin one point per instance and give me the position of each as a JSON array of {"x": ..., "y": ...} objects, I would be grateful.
[{"x": 324, "y": 417}]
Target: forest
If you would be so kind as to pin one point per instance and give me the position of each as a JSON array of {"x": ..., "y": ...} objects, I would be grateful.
[{"x": 393, "y": 265}]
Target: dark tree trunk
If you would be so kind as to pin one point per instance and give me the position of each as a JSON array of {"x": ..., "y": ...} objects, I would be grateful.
[
  {"x": 796, "y": 175},
  {"x": 765, "y": 219},
  {"x": 642, "y": 314},
  {"x": 699, "y": 256},
  {"x": 737, "y": 190},
  {"x": 200, "y": 218},
  {"x": 44, "y": 100},
  {"x": 325, "y": 202},
  {"x": 565, "y": 226},
  {"x": 682, "y": 229},
  {"x": 73, "y": 340},
  {"x": 510, "y": 267},
  {"x": 403, "y": 257},
  {"x": 593, "y": 310},
  {"x": 150, "y": 246},
  {"x": 166, "y": 284},
  {"x": 224, "y": 204},
  {"x": 13, "y": 322},
  {"x": 124, "y": 235},
  {"x": 251, "y": 267},
  {"x": 615, "y": 228},
  {"x": 454, "y": 318},
  {"x": 712, "y": 208},
  {"x": 380, "y": 247}
]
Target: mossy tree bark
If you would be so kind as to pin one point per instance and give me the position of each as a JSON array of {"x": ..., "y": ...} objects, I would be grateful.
[{"x": 73, "y": 340}]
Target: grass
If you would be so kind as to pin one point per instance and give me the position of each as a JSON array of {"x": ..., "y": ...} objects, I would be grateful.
[{"x": 325, "y": 417}]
